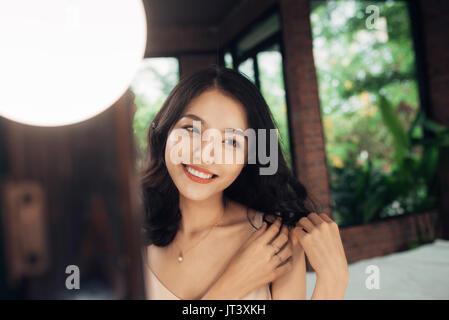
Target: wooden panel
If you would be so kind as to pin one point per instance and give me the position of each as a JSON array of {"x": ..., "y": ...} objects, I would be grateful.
[{"x": 90, "y": 194}]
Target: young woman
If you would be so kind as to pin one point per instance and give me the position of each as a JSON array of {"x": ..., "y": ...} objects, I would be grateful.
[{"x": 203, "y": 231}]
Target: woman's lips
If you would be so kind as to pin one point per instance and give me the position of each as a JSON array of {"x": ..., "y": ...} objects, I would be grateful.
[{"x": 200, "y": 170}]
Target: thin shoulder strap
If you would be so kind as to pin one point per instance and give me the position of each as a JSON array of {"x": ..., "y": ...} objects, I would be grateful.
[{"x": 257, "y": 220}]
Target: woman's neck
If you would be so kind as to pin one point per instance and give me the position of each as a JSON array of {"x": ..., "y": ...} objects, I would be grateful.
[{"x": 199, "y": 216}]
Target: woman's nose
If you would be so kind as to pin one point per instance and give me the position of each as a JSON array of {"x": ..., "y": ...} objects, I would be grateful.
[
  {"x": 196, "y": 150},
  {"x": 209, "y": 156}
]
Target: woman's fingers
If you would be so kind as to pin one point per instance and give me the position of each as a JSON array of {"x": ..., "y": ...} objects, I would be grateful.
[
  {"x": 325, "y": 217},
  {"x": 270, "y": 218},
  {"x": 286, "y": 267},
  {"x": 281, "y": 239},
  {"x": 316, "y": 220},
  {"x": 258, "y": 233},
  {"x": 306, "y": 224},
  {"x": 298, "y": 233},
  {"x": 282, "y": 255},
  {"x": 271, "y": 232}
]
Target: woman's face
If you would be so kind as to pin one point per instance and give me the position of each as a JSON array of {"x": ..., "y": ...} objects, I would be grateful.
[{"x": 205, "y": 171}]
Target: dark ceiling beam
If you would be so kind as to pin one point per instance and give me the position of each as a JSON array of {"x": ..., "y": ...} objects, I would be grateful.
[
  {"x": 171, "y": 40},
  {"x": 241, "y": 16}
]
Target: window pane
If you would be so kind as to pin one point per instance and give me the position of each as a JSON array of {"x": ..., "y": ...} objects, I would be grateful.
[
  {"x": 359, "y": 59},
  {"x": 247, "y": 68},
  {"x": 272, "y": 87},
  {"x": 153, "y": 82},
  {"x": 259, "y": 33},
  {"x": 228, "y": 60}
]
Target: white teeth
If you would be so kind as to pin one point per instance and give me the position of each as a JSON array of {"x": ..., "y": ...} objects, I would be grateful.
[{"x": 199, "y": 174}]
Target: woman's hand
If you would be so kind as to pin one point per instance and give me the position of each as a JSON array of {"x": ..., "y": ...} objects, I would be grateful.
[
  {"x": 322, "y": 244},
  {"x": 259, "y": 261}
]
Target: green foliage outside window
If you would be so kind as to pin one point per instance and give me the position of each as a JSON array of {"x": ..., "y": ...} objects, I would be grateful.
[
  {"x": 151, "y": 86},
  {"x": 379, "y": 162}
]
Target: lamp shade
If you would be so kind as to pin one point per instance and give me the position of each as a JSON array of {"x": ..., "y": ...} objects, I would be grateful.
[{"x": 64, "y": 61}]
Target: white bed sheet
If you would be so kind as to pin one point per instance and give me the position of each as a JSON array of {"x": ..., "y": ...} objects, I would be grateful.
[{"x": 419, "y": 273}]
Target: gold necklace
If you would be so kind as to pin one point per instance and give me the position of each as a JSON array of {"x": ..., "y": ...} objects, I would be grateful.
[{"x": 181, "y": 255}]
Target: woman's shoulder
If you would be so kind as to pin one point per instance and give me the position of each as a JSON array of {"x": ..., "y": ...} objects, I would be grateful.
[{"x": 243, "y": 214}]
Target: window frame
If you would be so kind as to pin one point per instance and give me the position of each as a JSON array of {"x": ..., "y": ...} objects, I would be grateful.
[{"x": 274, "y": 39}]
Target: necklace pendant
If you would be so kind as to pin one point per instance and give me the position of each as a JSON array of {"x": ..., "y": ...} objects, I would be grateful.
[{"x": 180, "y": 258}]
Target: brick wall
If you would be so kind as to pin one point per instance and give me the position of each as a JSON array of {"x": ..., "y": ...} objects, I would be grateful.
[
  {"x": 303, "y": 101},
  {"x": 434, "y": 26},
  {"x": 388, "y": 236}
]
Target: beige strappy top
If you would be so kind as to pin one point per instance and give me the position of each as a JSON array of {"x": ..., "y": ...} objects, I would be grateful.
[{"x": 155, "y": 290}]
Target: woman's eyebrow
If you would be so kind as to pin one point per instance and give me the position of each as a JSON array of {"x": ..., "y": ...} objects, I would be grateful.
[
  {"x": 236, "y": 131},
  {"x": 194, "y": 117}
]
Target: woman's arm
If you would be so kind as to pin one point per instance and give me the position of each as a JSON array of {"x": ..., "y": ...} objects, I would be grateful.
[
  {"x": 292, "y": 285},
  {"x": 225, "y": 288},
  {"x": 327, "y": 287},
  {"x": 320, "y": 237},
  {"x": 322, "y": 245}
]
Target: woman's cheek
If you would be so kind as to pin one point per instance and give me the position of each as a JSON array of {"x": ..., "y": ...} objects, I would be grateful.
[
  {"x": 177, "y": 148},
  {"x": 232, "y": 172},
  {"x": 171, "y": 161}
]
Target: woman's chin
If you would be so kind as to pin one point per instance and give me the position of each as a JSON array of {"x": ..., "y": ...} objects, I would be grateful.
[
  {"x": 195, "y": 196},
  {"x": 194, "y": 191}
]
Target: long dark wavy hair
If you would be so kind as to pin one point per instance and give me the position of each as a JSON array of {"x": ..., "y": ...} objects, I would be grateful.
[{"x": 280, "y": 194}]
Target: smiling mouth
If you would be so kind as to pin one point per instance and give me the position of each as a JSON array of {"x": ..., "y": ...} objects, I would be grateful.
[{"x": 197, "y": 174}]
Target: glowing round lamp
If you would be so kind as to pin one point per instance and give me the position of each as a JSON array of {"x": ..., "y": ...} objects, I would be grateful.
[{"x": 64, "y": 61}]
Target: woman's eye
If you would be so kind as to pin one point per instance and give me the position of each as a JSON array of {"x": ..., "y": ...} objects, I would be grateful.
[
  {"x": 191, "y": 129},
  {"x": 232, "y": 143}
]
